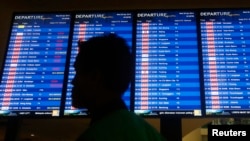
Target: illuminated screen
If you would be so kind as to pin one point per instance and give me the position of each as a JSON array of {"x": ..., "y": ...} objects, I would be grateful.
[
  {"x": 225, "y": 38},
  {"x": 185, "y": 61},
  {"x": 167, "y": 78},
  {"x": 87, "y": 25},
  {"x": 34, "y": 65}
]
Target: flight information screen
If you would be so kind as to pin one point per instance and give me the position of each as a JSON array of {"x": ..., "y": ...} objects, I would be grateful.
[
  {"x": 34, "y": 65},
  {"x": 87, "y": 25},
  {"x": 167, "y": 78},
  {"x": 226, "y": 61}
]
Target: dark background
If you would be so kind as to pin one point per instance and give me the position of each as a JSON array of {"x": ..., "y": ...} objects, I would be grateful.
[{"x": 68, "y": 129}]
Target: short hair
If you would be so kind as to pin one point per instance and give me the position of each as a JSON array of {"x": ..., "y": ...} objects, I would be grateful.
[{"x": 110, "y": 55}]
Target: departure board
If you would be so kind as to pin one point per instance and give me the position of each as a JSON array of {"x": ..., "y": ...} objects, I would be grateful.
[
  {"x": 226, "y": 61},
  {"x": 87, "y": 25},
  {"x": 167, "y": 80},
  {"x": 34, "y": 65}
]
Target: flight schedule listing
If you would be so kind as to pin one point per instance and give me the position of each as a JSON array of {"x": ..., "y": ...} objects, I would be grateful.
[
  {"x": 87, "y": 25},
  {"x": 167, "y": 78},
  {"x": 226, "y": 61},
  {"x": 34, "y": 66}
]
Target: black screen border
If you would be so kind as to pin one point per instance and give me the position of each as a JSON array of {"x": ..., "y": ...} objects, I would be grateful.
[{"x": 134, "y": 12}]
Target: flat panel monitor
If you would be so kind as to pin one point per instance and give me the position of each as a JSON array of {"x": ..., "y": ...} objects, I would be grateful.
[
  {"x": 167, "y": 80},
  {"x": 33, "y": 71},
  {"x": 225, "y": 38},
  {"x": 87, "y": 25}
]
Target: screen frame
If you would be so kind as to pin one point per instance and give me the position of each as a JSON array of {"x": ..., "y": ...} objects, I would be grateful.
[{"x": 132, "y": 91}]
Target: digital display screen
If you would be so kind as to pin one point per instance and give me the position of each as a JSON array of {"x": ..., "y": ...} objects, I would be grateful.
[
  {"x": 225, "y": 42},
  {"x": 187, "y": 63},
  {"x": 167, "y": 80},
  {"x": 87, "y": 25},
  {"x": 33, "y": 72}
]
